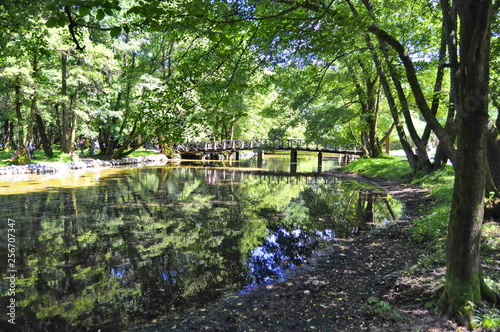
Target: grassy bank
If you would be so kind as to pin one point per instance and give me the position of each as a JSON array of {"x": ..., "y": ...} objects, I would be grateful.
[{"x": 431, "y": 228}]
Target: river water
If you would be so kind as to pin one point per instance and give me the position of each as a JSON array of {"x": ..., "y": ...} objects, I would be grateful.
[{"x": 108, "y": 249}]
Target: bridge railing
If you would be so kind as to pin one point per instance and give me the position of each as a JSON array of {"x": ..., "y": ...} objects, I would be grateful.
[{"x": 262, "y": 144}]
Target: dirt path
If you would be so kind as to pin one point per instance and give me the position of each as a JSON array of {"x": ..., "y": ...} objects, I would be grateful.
[{"x": 355, "y": 285}]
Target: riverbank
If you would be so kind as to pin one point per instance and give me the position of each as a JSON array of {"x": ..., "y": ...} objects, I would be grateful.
[
  {"x": 83, "y": 163},
  {"x": 388, "y": 280}
]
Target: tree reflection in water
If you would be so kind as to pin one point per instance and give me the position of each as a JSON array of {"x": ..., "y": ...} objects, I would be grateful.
[{"x": 131, "y": 245}]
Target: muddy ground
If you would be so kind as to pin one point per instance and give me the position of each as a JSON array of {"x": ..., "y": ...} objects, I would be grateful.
[{"x": 365, "y": 284}]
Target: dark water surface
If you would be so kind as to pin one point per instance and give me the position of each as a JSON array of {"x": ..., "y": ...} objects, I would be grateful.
[{"x": 112, "y": 248}]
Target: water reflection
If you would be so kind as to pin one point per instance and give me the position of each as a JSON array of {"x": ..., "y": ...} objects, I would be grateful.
[
  {"x": 283, "y": 250},
  {"x": 134, "y": 244}
]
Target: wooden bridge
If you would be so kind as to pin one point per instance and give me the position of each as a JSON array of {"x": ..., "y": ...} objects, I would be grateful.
[{"x": 265, "y": 145}]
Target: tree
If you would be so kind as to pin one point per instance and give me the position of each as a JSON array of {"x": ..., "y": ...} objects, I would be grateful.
[
  {"x": 465, "y": 287},
  {"x": 24, "y": 55}
]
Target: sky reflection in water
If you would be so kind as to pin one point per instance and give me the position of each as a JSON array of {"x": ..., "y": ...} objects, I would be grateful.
[{"x": 284, "y": 250}]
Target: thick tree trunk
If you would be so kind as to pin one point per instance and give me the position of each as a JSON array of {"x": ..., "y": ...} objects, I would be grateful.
[
  {"x": 47, "y": 147},
  {"x": 464, "y": 284},
  {"x": 120, "y": 152}
]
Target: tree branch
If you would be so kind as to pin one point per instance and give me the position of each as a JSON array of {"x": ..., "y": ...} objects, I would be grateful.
[{"x": 71, "y": 27}]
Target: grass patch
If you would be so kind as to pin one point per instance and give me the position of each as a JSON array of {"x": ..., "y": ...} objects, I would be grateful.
[
  {"x": 386, "y": 167},
  {"x": 39, "y": 157},
  {"x": 434, "y": 226},
  {"x": 4, "y": 156},
  {"x": 58, "y": 157},
  {"x": 142, "y": 153}
]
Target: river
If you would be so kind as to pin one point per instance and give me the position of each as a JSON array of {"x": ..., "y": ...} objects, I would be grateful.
[{"x": 107, "y": 249}]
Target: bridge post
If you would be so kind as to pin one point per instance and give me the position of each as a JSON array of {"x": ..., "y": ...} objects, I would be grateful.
[
  {"x": 293, "y": 156},
  {"x": 260, "y": 157},
  {"x": 346, "y": 159},
  {"x": 320, "y": 161}
]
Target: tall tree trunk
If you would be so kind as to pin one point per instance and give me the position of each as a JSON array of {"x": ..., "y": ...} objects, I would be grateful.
[
  {"x": 411, "y": 74},
  {"x": 30, "y": 132},
  {"x": 450, "y": 31},
  {"x": 22, "y": 155},
  {"x": 438, "y": 84},
  {"x": 413, "y": 160},
  {"x": 410, "y": 156},
  {"x": 8, "y": 128},
  {"x": 368, "y": 96},
  {"x": 493, "y": 150},
  {"x": 424, "y": 163},
  {"x": 464, "y": 285},
  {"x": 68, "y": 118}
]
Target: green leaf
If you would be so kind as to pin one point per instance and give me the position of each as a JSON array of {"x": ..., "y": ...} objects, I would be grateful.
[
  {"x": 225, "y": 39},
  {"x": 51, "y": 22},
  {"x": 115, "y": 31},
  {"x": 84, "y": 11},
  {"x": 100, "y": 14},
  {"x": 212, "y": 36}
]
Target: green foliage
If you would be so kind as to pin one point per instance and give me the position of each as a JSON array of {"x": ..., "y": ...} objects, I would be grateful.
[
  {"x": 487, "y": 320},
  {"x": 382, "y": 308},
  {"x": 434, "y": 225}
]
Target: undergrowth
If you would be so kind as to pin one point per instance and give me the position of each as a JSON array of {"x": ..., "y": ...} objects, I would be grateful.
[{"x": 434, "y": 223}]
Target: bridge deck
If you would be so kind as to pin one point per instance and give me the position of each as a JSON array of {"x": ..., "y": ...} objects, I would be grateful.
[{"x": 265, "y": 145}]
